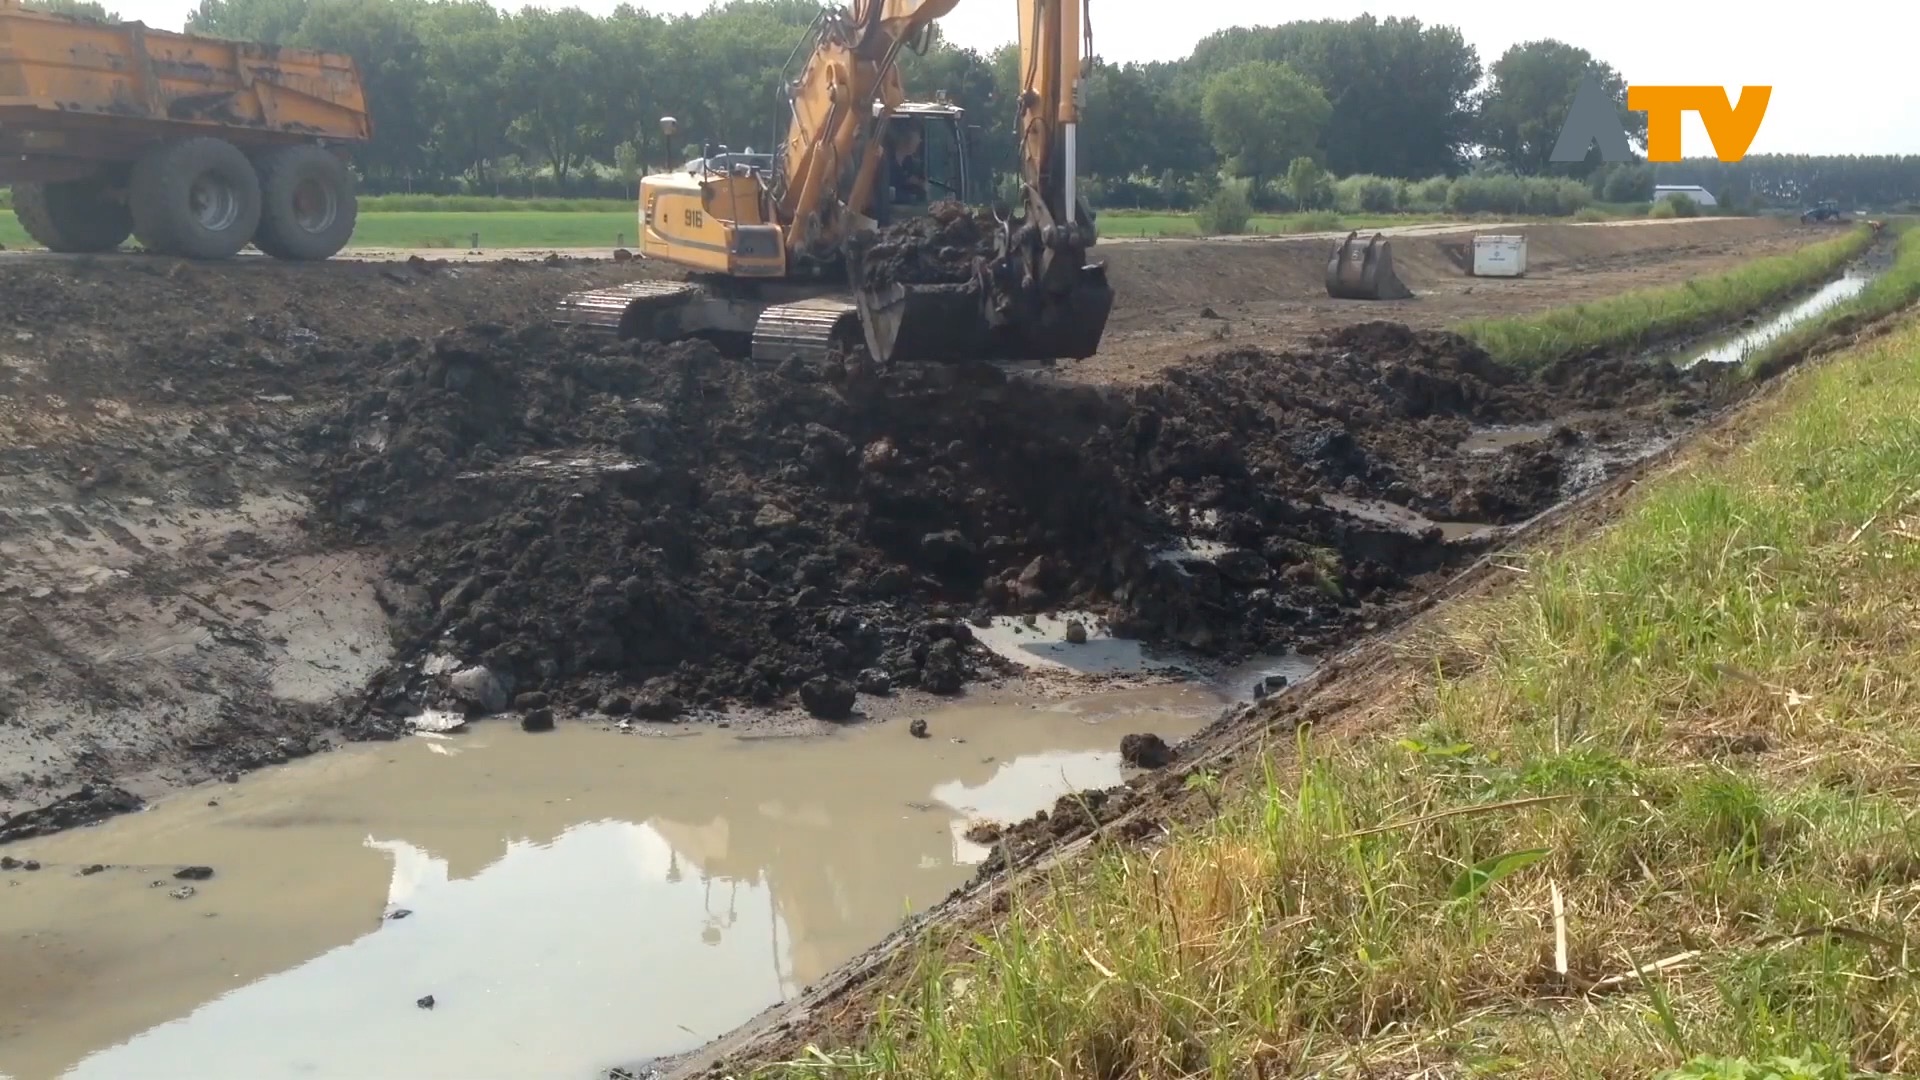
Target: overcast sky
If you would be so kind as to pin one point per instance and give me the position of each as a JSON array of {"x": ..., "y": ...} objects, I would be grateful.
[{"x": 1835, "y": 90}]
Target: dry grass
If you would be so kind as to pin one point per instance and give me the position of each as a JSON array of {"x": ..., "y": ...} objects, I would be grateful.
[{"x": 1654, "y": 811}]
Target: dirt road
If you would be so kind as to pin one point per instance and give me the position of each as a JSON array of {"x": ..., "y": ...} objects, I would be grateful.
[{"x": 223, "y": 486}]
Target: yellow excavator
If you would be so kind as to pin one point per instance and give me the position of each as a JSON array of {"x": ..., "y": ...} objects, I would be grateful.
[{"x": 776, "y": 246}]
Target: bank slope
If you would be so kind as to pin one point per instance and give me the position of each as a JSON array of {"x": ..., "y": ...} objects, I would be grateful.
[
  {"x": 1654, "y": 807},
  {"x": 1644, "y": 317}
]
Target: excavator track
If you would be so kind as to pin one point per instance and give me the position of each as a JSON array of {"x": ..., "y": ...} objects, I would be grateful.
[
  {"x": 624, "y": 311},
  {"x": 806, "y": 329}
]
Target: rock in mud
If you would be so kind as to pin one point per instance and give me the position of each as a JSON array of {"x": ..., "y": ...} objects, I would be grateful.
[
  {"x": 184, "y": 892},
  {"x": 917, "y": 729},
  {"x": 1271, "y": 684},
  {"x": 1076, "y": 632},
  {"x": 424, "y": 1002},
  {"x": 83, "y": 807},
  {"x": 827, "y": 698},
  {"x": 945, "y": 671},
  {"x": 193, "y": 873},
  {"x": 985, "y": 832},
  {"x": 875, "y": 682},
  {"x": 1243, "y": 567},
  {"x": 657, "y": 702},
  {"x": 537, "y": 720},
  {"x": 480, "y": 687},
  {"x": 1146, "y": 751}
]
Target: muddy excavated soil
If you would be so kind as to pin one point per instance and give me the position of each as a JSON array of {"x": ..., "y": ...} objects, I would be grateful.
[
  {"x": 236, "y": 497},
  {"x": 656, "y": 529},
  {"x": 937, "y": 249}
]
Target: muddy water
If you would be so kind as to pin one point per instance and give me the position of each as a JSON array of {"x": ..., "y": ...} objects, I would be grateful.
[
  {"x": 573, "y": 900},
  {"x": 1381, "y": 512},
  {"x": 1735, "y": 349},
  {"x": 1493, "y": 439}
]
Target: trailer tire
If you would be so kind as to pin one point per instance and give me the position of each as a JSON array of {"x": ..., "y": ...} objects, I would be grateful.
[
  {"x": 197, "y": 198},
  {"x": 72, "y": 215},
  {"x": 307, "y": 205}
]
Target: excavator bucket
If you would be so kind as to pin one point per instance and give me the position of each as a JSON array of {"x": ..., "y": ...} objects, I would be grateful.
[
  {"x": 1364, "y": 271},
  {"x": 973, "y": 321},
  {"x": 924, "y": 322}
]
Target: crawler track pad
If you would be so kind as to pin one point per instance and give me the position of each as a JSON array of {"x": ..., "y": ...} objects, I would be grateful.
[{"x": 624, "y": 311}]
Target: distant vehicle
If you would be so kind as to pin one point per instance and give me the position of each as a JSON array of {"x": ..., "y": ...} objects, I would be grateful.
[
  {"x": 1701, "y": 196},
  {"x": 195, "y": 146},
  {"x": 1826, "y": 210}
]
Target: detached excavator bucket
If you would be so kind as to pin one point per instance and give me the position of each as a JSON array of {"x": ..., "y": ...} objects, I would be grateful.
[
  {"x": 1365, "y": 271},
  {"x": 949, "y": 322}
]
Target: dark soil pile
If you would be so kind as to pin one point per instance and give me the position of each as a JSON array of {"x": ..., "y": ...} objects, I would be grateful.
[
  {"x": 937, "y": 249},
  {"x": 648, "y": 528}
]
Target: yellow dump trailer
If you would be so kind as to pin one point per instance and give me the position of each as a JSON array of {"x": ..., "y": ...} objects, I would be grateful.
[{"x": 194, "y": 145}]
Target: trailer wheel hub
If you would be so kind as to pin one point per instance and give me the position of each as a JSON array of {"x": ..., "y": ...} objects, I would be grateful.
[
  {"x": 215, "y": 204},
  {"x": 315, "y": 206}
]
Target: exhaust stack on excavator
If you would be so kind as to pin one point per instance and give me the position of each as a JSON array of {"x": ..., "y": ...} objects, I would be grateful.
[{"x": 1364, "y": 271}]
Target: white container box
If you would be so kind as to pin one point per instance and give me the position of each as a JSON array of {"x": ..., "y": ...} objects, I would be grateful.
[{"x": 1499, "y": 256}]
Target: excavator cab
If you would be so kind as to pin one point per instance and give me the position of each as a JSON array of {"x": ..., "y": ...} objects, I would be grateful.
[{"x": 936, "y": 132}]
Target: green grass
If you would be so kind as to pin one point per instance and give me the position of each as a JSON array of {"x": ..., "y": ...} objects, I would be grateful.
[
  {"x": 1896, "y": 288},
  {"x": 1698, "y": 728},
  {"x": 486, "y": 204},
  {"x": 498, "y": 229},
  {"x": 1635, "y": 319},
  {"x": 436, "y": 229}
]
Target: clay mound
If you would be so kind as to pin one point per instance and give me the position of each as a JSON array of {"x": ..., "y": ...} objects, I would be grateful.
[{"x": 586, "y": 518}]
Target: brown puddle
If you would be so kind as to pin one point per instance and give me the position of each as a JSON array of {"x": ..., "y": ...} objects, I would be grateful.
[
  {"x": 576, "y": 900},
  {"x": 1492, "y": 440},
  {"x": 1381, "y": 512}
]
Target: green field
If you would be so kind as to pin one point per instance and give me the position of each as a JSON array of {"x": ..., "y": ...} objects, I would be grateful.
[{"x": 420, "y": 222}]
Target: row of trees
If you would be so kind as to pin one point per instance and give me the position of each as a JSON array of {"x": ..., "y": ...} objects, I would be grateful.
[{"x": 466, "y": 96}]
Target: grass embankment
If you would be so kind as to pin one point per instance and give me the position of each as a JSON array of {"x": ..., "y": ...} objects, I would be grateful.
[
  {"x": 1897, "y": 287},
  {"x": 1645, "y": 316},
  {"x": 1687, "y": 747}
]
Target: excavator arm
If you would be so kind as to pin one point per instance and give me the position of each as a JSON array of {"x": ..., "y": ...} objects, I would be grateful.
[{"x": 831, "y": 159}]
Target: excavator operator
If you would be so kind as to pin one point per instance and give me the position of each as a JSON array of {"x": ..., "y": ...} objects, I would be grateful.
[{"x": 906, "y": 172}]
